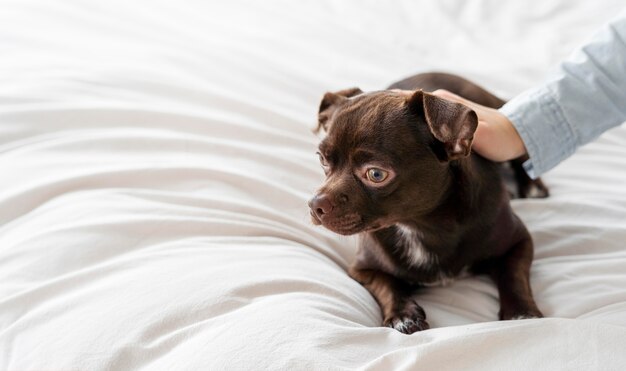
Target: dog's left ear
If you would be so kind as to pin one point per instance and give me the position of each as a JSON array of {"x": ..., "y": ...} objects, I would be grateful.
[
  {"x": 330, "y": 102},
  {"x": 453, "y": 124}
]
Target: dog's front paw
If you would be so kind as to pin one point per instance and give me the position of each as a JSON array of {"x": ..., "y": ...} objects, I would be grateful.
[
  {"x": 411, "y": 318},
  {"x": 407, "y": 325},
  {"x": 519, "y": 314}
]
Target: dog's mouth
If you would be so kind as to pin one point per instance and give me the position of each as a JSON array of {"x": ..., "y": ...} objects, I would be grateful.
[{"x": 347, "y": 224}]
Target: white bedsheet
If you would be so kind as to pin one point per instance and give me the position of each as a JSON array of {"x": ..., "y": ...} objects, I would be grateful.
[{"x": 155, "y": 162}]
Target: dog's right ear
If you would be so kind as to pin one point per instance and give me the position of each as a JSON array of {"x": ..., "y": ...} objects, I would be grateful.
[{"x": 330, "y": 102}]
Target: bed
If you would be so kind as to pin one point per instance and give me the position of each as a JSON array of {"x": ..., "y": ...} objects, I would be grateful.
[{"x": 155, "y": 162}]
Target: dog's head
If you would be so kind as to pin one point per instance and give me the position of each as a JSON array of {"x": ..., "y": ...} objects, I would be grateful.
[{"x": 386, "y": 156}]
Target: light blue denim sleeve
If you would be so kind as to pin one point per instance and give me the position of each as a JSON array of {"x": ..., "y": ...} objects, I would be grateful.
[{"x": 586, "y": 97}]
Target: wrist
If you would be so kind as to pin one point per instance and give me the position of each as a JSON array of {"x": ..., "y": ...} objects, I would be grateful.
[{"x": 514, "y": 140}]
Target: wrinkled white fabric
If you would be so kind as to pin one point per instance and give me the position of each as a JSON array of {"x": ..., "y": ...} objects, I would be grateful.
[{"x": 155, "y": 162}]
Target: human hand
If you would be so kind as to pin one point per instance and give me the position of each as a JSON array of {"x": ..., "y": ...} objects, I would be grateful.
[{"x": 495, "y": 138}]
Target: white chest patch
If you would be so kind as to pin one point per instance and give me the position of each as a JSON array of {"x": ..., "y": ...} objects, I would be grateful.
[{"x": 416, "y": 254}]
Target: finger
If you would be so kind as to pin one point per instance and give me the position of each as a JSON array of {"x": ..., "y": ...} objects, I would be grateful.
[{"x": 446, "y": 94}]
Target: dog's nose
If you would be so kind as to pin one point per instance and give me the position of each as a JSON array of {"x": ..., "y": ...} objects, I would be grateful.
[{"x": 321, "y": 205}]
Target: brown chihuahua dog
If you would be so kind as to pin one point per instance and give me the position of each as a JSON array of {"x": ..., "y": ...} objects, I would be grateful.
[{"x": 401, "y": 174}]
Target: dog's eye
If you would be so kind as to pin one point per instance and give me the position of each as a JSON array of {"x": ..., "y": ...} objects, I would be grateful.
[
  {"x": 377, "y": 175},
  {"x": 322, "y": 160}
]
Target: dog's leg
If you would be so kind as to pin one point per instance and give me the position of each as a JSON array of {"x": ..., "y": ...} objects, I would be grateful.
[
  {"x": 399, "y": 309},
  {"x": 512, "y": 275},
  {"x": 527, "y": 187}
]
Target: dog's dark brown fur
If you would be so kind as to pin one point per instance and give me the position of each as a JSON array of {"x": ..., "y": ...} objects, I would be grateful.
[{"x": 440, "y": 210}]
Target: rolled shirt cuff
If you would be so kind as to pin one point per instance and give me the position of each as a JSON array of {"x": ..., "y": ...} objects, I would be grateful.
[{"x": 540, "y": 122}]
